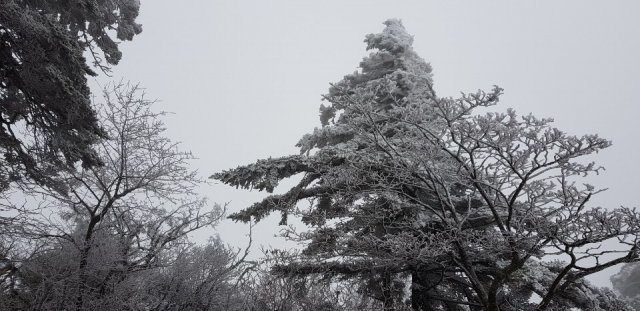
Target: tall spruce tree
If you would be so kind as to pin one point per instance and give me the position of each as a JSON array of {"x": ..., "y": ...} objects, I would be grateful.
[{"x": 405, "y": 185}]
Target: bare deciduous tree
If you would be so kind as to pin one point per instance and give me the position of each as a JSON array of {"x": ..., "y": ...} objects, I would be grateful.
[{"x": 102, "y": 225}]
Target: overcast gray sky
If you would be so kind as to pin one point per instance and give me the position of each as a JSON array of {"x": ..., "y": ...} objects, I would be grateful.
[{"x": 244, "y": 78}]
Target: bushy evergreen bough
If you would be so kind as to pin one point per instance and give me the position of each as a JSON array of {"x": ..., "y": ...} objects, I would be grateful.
[
  {"x": 405, "y": 185},
  {"x": 46, "y": 118}
]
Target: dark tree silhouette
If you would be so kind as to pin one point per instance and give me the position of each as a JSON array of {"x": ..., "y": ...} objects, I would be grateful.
[{"x": 46, "y": 118}]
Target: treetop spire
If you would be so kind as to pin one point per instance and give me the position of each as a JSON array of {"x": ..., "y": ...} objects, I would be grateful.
[{"x": 394, "y": 38}]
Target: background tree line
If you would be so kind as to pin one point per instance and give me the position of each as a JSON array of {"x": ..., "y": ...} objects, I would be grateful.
[{"x": 411, "y": 201}]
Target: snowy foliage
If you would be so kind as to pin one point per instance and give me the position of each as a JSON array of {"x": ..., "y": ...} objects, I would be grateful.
[
  {"x": 46, "y": 118},
  {"x": 403, "y": 183}
]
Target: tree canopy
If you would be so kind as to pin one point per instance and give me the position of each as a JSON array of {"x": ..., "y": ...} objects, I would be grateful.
[
  {"x": 46, "y": 118},
  {"x": 468, "y": 206}
]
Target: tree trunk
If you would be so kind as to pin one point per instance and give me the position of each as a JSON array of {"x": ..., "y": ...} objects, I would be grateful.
[
  {"x": 387, "y": 292},
  {"x": 82, "y": 266}
]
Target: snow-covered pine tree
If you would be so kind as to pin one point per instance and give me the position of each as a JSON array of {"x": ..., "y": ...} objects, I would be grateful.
[{"x": 403, "y": 184}]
